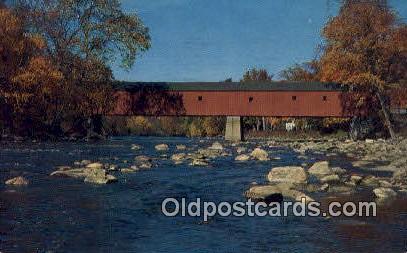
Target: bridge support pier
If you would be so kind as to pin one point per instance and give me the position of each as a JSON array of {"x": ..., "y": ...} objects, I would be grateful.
[{"x": 234, "y": 130}]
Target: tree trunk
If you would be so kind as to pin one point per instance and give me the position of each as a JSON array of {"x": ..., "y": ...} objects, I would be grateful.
[
  {"x": 386, "y": 115},
  {"x": 264, "y": 123},
  {"x": 258, "y": 124}
]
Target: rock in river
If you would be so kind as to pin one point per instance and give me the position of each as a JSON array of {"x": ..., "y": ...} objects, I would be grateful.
[
  {"x": 162, "y": 147},
  {"x": 216, "y": 146},
  {"x": 135, "y": 147},
  {"x": 181, "y": 147},
  {"x": 199, "y": 162},
  {"x": 384, "y": 193},
  {"x": 330, "y": 179},
  {"x": 260, "y": 154},
  {"x": 242, "y": 158},
  {"x": 145, "y": 165},
  {"x": 129, "y": 170},
  {"x": 142, "y": 158},
  {"x": 94, "y": 166},
  {"x": 96, "y": 176},
  {"x": 17, "y": 181},
  {"x": 178, "y": 157},
  {"x": 275, "y": 192},
  {"x": 356, "y": 179},
  {"x": 290, "y": 174},
  {"x": 320, "y": 169},
  {"x": 90, "y": 175},
  {"x": 400, "y": 177}
]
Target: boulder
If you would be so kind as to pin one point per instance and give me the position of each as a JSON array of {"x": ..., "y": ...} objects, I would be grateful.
[
  {"x": 385, "y": 184},
  {"x": 343, "y": 189},
  {"x": 130, "y": 170},
  {"x": 296, "y": 175},
  {"x": 324, "y": 188},
  {"x": 181, "y": 147},
  {"x": 17, "y": 181},
  {"x": 178, "y": 157},
  {"x": 268, "y": 193},
  {"x": 162, "y": 147},
  {"x": 339, "y": 171},
  {"x": 112, "y": 167},
  {"x": 330, "y": 179},
  {"x": 216, "y": 146},
  {"x": 73, "y": 173},
  {"x": 199, "y": 162},
  {"x": 370, "y": 181},
  {"x": 96, "y": 176},
  {"x": 211, "y": 153},
  {"x": 135, "y": 147},
  {"x": 384, "y": 193},
  {"x": 94, "y": 166},
  {"x": 400, "y": 177},
  {"x": 142, "y": 158},
  {"x": 63, "y": 167},
  {"x": 91, "y": 175},
  {"x": 260, "y": 154},
  {"x": 356, "y": 179},
  {"x": 320, "y": 169},
  {"x": 145, "y": 165},
  {"x": 242, "y": 158}
]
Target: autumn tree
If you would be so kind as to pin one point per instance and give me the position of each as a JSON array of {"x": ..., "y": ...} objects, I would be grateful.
[
  {"x": 307, "y": 72},
  {"x": 366, "y": 47},
  {"x": 256, "y": 75},
  {"x": 29, "y": 82},
  {"x": 83, "y": 39}
]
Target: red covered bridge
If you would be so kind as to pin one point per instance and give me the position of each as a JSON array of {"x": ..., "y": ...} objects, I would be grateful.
[{"x": 279, "y": 99}]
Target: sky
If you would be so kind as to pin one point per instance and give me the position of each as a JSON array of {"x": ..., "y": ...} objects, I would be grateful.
[{"x": 212, "y": 40}]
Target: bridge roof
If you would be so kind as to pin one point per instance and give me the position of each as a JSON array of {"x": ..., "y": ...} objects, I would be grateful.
[{"x": 231, "y": 86}]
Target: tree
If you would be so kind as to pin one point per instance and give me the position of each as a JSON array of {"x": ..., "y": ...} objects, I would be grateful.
[
  {"x": 83, "y": 39},
  {"x": 366, "y": 47},
  {"x": 254, "y": 75},
  {"x": 214, "y": 126},
  {"x": 307, "y": 72},
  {"x": 95, "y": 29},
  {"x": 29, "y": 82}
]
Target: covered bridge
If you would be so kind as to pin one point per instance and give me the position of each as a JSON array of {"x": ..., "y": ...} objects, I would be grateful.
[{"x": 234, "y": 100}]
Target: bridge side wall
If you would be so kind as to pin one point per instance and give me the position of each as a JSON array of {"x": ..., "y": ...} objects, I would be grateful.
[
  {"x": 263, "y": 103},
  {"x": 237, "y": 103}
]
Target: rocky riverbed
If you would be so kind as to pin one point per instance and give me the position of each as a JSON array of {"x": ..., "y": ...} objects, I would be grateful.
[
  {"x": 66, "y": 191},
  {"x": 295, "y": 182}
]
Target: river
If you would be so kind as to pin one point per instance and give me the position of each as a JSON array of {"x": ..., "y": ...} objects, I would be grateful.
[{"x": 67, "y": 215}]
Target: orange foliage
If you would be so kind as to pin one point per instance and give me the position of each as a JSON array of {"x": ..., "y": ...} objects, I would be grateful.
[{"x": 365, "y": 46}]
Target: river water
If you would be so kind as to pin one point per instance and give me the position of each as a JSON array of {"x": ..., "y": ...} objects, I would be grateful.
[{"x": 67, "y": 215}]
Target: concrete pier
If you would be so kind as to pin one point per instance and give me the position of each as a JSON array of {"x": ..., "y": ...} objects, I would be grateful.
[{"x": 234, "y": 130}]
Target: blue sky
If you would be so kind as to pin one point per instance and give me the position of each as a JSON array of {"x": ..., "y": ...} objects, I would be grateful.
[{"x": 211, "y": 40}]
